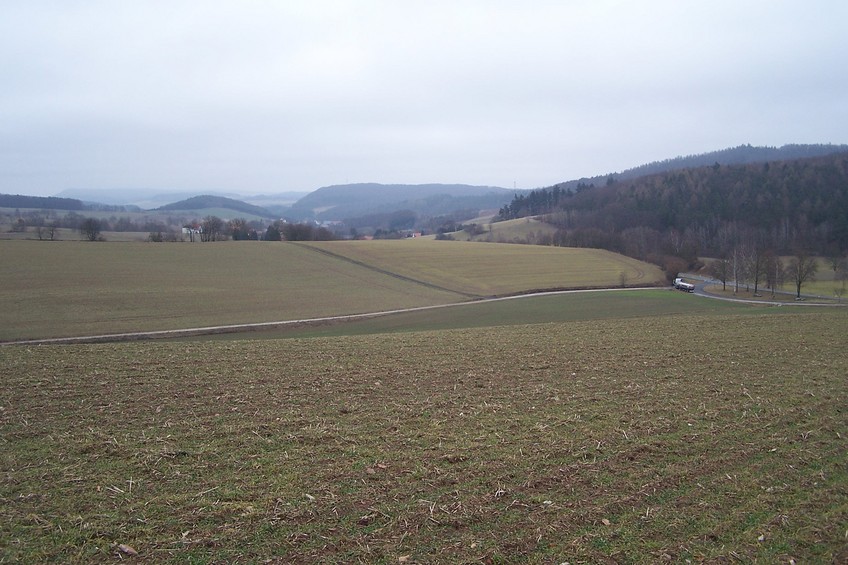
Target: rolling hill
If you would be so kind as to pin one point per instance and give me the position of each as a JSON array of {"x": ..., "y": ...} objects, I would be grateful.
[
  {"x": 787, "y": 204},
  {"x": 40, "y": 202},
  {"x": 740, "y": 155},
  {"x": 521, "y": 230},
  {"x": 206, "y": 202},
  {"x": 342, "y": 202},
  {"x": 145, "y": 198}
]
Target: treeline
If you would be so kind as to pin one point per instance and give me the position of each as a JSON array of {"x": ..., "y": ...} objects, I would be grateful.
[
  {"x": 73, "y": 219},
  {"x": 740, "y": 155},
  {"x": 286, "y": 231},
  {"x": 50, "y": 203},
  {"x": 743, "y": 154},
  {"x": 703, "y": 211},
  {"x": 402, "y": 223},
  {"x": 213, "y": 228},
  {"x": 40, "y": 202},
  {"x": 541, "y": 201}
]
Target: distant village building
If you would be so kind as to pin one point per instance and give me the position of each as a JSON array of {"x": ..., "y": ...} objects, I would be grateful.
[{"x": 191, "y": 231}]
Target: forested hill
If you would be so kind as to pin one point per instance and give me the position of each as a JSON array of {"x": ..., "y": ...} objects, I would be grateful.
[
  {"x": 39, "y": 202},
  {"x": 207, "y": 201},
  {"x": 741, "y": 155},
  {"x": 355, "y": 200},
  {"x": 789, "y": 204}
]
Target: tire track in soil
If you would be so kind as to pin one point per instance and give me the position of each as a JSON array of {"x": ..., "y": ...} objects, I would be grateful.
[{"x": 389, "y": 273}]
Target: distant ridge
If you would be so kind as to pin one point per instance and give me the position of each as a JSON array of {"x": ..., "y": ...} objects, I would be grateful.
[
  {"x": 351, "y": 200},
  {"x": 208, "y": 201},
  {"x": 740, "y": 155},
  {"x": 40, "y": 202}
]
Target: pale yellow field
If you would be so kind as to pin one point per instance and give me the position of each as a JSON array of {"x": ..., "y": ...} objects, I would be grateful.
[{"x": 496, "y": 269}]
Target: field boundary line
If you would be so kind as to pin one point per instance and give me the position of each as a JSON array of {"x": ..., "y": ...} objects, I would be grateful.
[{"x": 386, "y": 272}]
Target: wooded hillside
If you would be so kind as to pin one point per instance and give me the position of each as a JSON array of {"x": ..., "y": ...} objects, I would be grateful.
[
  {"x": 39, "y": 202},
  {"x": 739, "y": 155},
  {"x": 208, "y": 201},
  {"x": 697, "y": 211}
]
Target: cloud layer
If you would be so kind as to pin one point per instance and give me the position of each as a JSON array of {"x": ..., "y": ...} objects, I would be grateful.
[{"x": 262, "y": 96}]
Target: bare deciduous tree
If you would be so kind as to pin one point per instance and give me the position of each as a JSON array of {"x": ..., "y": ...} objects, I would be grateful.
[
  {"x": 212, "y": 229},
  {"x": 802, "y": 268},
  {"x": 774, "y": 271},
  {"x": 720, "y": 269},
  {"x": 90, "y": 229},
  {"x": 755, "y": 258}
]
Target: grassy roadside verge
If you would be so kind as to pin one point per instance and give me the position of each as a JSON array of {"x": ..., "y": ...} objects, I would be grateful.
[
  {"x": 765, "y": 295},
  {"x": 552, "y": 308}
]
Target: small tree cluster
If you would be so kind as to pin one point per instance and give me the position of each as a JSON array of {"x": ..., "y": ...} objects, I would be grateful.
[
  {"x": 91, "y": 228},
  {"x": 285, "y": 231},
  {"x": 212, "y": 229}
]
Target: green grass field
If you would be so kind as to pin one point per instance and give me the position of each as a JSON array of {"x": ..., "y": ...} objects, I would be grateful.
[
  {"x": 634, "y": 426},
  {"x": 54, "y": 289},
  {"x": 83, "y": 288},
  {"x": 824, "y": 285},
  {"x": 567, "y": 307},
  {"x": 681, "y": 437}
]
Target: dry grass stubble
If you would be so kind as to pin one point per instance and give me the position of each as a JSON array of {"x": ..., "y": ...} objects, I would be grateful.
[{"x": 582, "y": 442}]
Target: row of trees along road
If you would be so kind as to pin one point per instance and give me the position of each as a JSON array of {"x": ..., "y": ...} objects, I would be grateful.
[{"x": 751, "y": 265}]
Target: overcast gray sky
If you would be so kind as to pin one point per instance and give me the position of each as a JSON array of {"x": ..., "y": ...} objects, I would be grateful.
[{"x": 255, "y": 96}]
